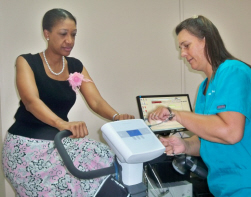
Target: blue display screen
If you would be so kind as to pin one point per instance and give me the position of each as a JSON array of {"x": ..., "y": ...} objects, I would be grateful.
[{"x": 134, "y": 132}]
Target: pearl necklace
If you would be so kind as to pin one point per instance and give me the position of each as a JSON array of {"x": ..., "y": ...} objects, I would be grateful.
[{"x": 50, "y": 67}]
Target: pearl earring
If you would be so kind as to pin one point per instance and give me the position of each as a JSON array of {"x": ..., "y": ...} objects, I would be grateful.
[{"x": 47, "y": 39}]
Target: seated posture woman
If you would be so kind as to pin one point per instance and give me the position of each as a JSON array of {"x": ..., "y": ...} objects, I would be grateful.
[{"x": 47, "y": 82}]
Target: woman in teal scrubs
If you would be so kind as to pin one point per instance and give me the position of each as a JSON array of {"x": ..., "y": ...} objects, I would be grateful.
[{"x": 222, "y": 119}]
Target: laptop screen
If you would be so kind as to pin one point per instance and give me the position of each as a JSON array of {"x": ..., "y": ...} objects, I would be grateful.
[{"x": 148, "y": 103}]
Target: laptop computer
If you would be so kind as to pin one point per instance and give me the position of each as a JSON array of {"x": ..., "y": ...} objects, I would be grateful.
[{"x": 148, "y": 103}]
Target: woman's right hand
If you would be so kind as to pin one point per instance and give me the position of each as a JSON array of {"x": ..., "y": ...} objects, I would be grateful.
[
  {"x": 78, "y": 128},
  {"x": 173, "y": 144}
]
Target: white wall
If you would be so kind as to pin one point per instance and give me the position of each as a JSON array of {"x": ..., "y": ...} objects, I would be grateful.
[
  {"x": 2, "y": 188},
  {"x": 2, "y": 181},
  {"x": 128, "y": 47}
]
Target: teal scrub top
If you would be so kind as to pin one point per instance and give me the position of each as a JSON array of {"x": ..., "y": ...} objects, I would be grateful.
[{"x": 229, "y": 166}]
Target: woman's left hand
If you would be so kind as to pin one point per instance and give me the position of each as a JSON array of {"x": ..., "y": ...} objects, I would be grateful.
[
  {"x": 161, "y": 113},
  {"x": 123, "y": 117}
]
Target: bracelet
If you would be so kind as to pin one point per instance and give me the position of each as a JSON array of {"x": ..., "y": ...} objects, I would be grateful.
[
  {"x": 171, "y": 113},
  {"x": 113, "y": 118}
]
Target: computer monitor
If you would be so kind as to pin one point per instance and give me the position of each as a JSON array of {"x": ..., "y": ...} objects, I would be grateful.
[{"x": 148, "y": 103}]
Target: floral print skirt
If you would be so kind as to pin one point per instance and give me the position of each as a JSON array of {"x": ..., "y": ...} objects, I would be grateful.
[{"x": 35, "y": 168}]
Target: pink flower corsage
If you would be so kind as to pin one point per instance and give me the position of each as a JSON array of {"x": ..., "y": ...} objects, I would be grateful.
[{"x": 75, "y": 80}]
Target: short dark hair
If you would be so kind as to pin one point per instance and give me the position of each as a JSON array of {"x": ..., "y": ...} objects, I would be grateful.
[
  {"x": 215, "y": 50},
  {"x": 51, "y": 17}
]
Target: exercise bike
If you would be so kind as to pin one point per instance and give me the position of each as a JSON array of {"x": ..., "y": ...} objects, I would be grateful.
[{"x": 133, "y": 144}]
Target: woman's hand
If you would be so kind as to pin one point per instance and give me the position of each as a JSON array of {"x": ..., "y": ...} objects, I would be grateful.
[
  {"x": 78, "y": 128},
  {"x": 173, "y": 144},
  {"x": 123, "y": 117},
  {"x": 162, "y": 113},
  {"x": 177, "y": 145}
]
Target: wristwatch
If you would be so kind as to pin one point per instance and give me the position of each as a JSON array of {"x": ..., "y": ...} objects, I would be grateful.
[{"x": 171, "y": 115}]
